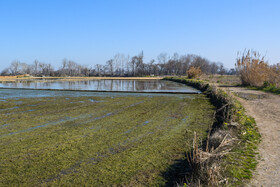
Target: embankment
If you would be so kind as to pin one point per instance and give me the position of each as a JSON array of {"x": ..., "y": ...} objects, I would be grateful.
[{"x": 228, "y": 155}]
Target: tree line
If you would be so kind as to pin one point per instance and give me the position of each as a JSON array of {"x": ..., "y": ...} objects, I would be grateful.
[{"x": 122, "y": 65}]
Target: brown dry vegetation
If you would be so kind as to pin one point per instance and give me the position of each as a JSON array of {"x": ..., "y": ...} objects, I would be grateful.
[
  {"x": 8, "y": 77},
  {"x": 255, "y": 71},
  {"x": 194, "y": 72},
  {"x": 226, "y": 80},
  {"x": 274, "y": 75}
]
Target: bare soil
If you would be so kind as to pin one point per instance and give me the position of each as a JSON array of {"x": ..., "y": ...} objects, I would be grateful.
[{"x": 265, "y": 108}]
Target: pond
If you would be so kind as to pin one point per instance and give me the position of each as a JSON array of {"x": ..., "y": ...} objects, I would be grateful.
[{"x": 104, "y": 85}]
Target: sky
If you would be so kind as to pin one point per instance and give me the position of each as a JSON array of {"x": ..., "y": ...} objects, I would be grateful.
[{"x": 91, "y": 32}]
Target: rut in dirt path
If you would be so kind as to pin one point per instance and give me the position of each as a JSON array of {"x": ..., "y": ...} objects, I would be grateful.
[{"x": 265, "y": 108}]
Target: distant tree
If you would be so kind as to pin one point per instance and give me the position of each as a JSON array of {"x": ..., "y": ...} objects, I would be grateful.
[
  {"x": 36, "y": 64},
  {"x": 133, "y": 64},
  {"x": 162, "y": 58},
  {"x": 110, "y": 66},
  {"x": 140, "y": 66},
  {"x": 222, "y": 70},
  {"x": 202, "y": 63},
  {"x": 98, "y": 69},
  {"x": 15, "y": 67},
  {"x": 214, "y": 68},
  {"x": 5, "y": 72},
  {"x": 232, "y": 71}
]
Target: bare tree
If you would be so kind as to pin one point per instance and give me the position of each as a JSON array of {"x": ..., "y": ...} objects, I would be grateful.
[
  {"x": 110, "y": 66},
  {"x": 5, "y": 72},
  {"x": 36, "y": 64},
  {"x": 15, "y": 67},
  {"x": 121, "y": 65}
]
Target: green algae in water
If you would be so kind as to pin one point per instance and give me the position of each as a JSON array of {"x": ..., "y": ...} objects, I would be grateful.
[{"x": 129, "y": 139}]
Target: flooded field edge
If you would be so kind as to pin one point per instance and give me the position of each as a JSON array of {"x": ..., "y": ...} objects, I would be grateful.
[{"x": 69, "y": 135}]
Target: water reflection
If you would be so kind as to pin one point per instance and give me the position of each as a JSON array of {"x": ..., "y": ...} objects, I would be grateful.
[{"x": 104, "y": 85}]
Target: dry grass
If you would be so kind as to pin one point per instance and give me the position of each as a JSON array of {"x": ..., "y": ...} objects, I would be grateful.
[
  {"x": 225, "y": 80},
  {"x": 254, "y": 71},
  {"x": 194, "y": 72},
  {"x": 274, "y": 76},
  {"x": 204, "y": 162}
]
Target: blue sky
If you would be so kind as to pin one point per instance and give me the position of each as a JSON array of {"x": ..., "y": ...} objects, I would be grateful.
[{"x": 91, "y": 32}]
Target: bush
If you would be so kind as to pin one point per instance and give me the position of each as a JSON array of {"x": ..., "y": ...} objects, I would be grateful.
[
  {"x": 194, "y": 72},
  {"x": 252, "y": 68}
]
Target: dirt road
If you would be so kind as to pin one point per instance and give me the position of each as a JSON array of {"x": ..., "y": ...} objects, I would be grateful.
[{"x": 265, "y": 108}]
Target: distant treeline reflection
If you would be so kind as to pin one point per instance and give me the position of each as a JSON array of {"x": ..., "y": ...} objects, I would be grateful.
[{"x": 107, "y": 85}]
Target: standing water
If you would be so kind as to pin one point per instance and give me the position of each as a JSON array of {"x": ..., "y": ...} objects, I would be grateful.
[{"x": 104, "y": 85}]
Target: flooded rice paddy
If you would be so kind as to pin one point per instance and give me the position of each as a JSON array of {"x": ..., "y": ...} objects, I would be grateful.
[
  {"x": 97, "y": 139},
  {"x": 103, "y": 85}
]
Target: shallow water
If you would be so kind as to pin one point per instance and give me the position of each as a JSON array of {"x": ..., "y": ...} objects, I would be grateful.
[
  {"x": 19, "y": 93},
  {"x": 104, "y": 85}
]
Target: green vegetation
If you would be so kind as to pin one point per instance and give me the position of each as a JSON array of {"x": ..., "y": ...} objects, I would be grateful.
[
  {"x": 272, "y": 89},
  {"x": 267, "y": 88},
  {"x": 240, "y": 164},
  {"x": 237, "y": 165},
  {"x": 97, "y": 141}
]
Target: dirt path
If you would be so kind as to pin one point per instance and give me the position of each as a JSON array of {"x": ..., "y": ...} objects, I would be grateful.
[{"x": 265, "y": 108}]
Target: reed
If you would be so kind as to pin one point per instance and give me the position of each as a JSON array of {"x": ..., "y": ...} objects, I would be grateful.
[{"x": 255, "y": 71}]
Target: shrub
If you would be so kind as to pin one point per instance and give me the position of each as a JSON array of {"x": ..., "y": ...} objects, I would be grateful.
[
  {"x": 252, "y": 68},
  {"x": 194, "y": 72}
]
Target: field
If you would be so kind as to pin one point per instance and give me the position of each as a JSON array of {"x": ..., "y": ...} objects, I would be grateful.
[
  {"x": 122, "y": 139},
  {"x": 224, "y": 80}
]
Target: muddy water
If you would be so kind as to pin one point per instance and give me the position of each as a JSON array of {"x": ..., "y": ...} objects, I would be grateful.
[{"x": 104, "y": 85}]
